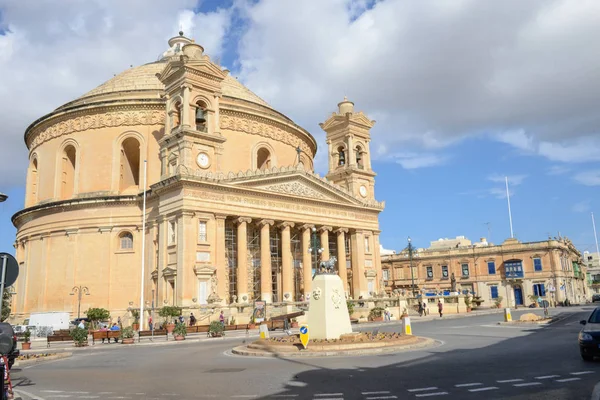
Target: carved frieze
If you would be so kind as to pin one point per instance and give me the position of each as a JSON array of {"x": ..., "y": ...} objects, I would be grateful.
[
  {"x": 105, "y": 119},
  {"x": 295, "y": 188},
  {"x": 262, "y": 127}
]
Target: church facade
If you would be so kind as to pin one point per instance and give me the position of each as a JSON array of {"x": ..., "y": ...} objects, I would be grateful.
[{"x": 234, "y": 210}]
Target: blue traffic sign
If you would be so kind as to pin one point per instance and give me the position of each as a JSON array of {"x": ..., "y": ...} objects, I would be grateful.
[{"x": 303, "y": 330}]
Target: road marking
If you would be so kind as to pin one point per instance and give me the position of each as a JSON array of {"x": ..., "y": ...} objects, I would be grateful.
[
  {"x": 381, "y": 392},
  {"x": 547, "y": 377},
  {"x": 568, "y": 379},
  {"x": 527, "y": 384},
  {"x": 328, "y": 394},
  {"x": 468, "y": 384},
  {"x": 28, "y": 394},
  {"x": 118, "y": 397},
  {"x": 423, "y": 389},
  {"x": 329, "y": 398},
  {"x": 59, "y": 395},
  {"x": 431, "y": 394},
  {"x": 382, "y": 397},
  {"x": 582, "y": 373},
  {"x": 483, "y": 389},
  {"x": 238, "y": 396},
  {"x": 284, "y": 395},
  {"x": 52, "y": 391},
  {"x": 510, "y": 380},
  {"x": 105, "y": 392},
  {"x": 89, "y": 397}
]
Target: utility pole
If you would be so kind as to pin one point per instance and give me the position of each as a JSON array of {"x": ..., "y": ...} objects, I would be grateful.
[
  {"x": 79, "y": 290},
  {"x": 410, "y": 257}
]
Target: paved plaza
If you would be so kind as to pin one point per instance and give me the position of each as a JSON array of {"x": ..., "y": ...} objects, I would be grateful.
[{"x": 476, "y": 358}]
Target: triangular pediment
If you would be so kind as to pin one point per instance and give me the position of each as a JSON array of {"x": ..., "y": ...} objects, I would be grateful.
[{"x": 299, "y": 184}]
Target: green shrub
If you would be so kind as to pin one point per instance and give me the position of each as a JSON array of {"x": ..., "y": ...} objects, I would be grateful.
[
  {"x": 179, "y": 330},
  {"x": 168, "y": 312},
  {"x": 350, "y": 307},
  {"x": 216, "y": 328},
  {"x": 135, "y": 313},
  {"x": 376, "y": 312},
  {"x": 26, "y": 336},
  {"x": 97, "y": 314},
  {"x": 498, "y": 301},
  {"x": 127, "y": 333},
  {"x": 79, "y": 335}
]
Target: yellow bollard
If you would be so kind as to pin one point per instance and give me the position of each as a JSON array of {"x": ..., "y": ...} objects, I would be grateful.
[
  {"x": 264, "y": 331},
  {"x": 507, "y": 316},
  {"x": 406, "y": 328}
]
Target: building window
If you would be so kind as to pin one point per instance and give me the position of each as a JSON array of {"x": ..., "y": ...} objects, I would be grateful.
[
  {"x": 263, "y": 159},
  {"x": 491, "y": 267},
  {"x": 367, "y": 247},
  {"x": 126, "y": 241},
  {"x": 342, "y": 156},
  {"x": 172, "y": 232},
  {"x": 68, "y": 160},
  {"x": 537, "y": 264},
  {"x": 494, "y": 292},
  {"x": 202, "y": 231},
  {"x": 539, "y": 289},
  {"x": 444, "y": 271},
  {"x": 129, "y": 167},
  {"x": 465, "y": 269},
  {"x": 386, "y": 275},
  {"x": 429, "y": 272}
]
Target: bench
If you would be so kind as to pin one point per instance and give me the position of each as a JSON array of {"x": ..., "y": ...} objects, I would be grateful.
[
  {"x": 99, "y": 335},
  {"x": 157, "y": 332},
  {"x": 58, "y": 338}
]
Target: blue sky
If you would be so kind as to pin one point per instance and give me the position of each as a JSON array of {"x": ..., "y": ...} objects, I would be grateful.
[{"x": 464, "y": 93}]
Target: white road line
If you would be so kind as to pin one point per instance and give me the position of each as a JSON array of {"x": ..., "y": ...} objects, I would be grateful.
[
  {"x": 423, "y": 389},
  {"x": 89, "y": 397},
  {"x": 582, "y": 373},
  {"x": 468, "y": 384},
  {"x": 483, "y": 389},
  {"x": 510, "y": 380},
  {"x": 28, "y": 394},
  {"x": 568, "y": 379},
  {"x": 52, "y": 396},
  {"x": 52, "y": 391},
  {"x": 78, "y": 392},
  {"x": 105, "y": 392},
  {"x": 118, "y": 397},
  {"x": 547, "y": 377},
  {"x": 382, "y": 397},
  {"x": 431, "y": 394},
  {"x": 277, "y": 396},
  {"x": 527, "y": 384},
  {"x": 328, "y": 394},
  {"x": 242, "y": 396},
  {"x": 329, "y": 398},
  {"x": 381, "y": 392}
]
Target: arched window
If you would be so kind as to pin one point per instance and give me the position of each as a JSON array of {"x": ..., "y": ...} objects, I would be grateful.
[
  {"x": 68, "y": 172},
  {"x": 177, "y": 115},
  {"x": 126, "y": 241},
  {"x": 33, "y": 182},
  {"x": 341, "y": 156},
  {"x": 359, "y": 157},
  {"x": 263, "y": 158},
  {"x": 201, "y": 117},
  {"x": 129, "y": 164}
]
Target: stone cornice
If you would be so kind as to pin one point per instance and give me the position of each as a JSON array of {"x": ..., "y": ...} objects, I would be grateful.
[
  {"x": 286, "y": 224},
  {"x": 94, "y": 116}
]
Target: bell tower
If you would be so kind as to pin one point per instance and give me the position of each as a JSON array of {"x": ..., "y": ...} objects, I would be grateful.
[
  {"x": 348, "y": 137},
  {"x": 192, "y": 91}
]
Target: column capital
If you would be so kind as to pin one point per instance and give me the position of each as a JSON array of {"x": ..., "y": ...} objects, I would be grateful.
[
  {"x": 341, "y": 230},
  {"x": 325, "y": 228},
  {"x": 241, "y": 220},
  {"x": 306, "y": 226},
  {"x": 263, "y": 222},
  {"x": 286, "y": 224},
  {"x": 220, "y": 216}
]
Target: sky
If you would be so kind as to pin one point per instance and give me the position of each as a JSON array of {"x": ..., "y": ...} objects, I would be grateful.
[{"x": 464, "y": 93}]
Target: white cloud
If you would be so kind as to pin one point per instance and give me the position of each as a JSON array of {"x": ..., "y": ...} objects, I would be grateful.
[
  {"x": 558, "y": 170},
  {"x": 588, "y": 178},
  {"x": 418, "y": 160},
  {"x": 582, "y": 206}
]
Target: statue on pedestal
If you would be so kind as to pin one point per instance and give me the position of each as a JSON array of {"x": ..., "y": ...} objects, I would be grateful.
[{"x": 453, "y": 283}]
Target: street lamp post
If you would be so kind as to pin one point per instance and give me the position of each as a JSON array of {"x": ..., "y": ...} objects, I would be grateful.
[
  {"x": 79, "y": 290},
  {"x": 315, "y": 249},
  {"x": 410, "y": 257}
]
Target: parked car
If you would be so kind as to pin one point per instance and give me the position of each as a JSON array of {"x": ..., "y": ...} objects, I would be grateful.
[
  {"x": 589, "y": 337},
  {"x": 595, "y": 298},
  {"x": 76, "y": 321},
  {"x": 7, "y": 329}
]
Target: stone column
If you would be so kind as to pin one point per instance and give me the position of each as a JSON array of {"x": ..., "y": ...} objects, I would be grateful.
[
  {"x": 359, "y": 281},
  {"x": 377, "y": 264},
  {"x": 287, "y": 270},
  {"x": 185, "y": 107},
  {"x": 266, "y": 286},
  {"x": 341, "y": 256},
  {"x": 222, "y": 284},
  {"x": 325, "y": 242},
  {"x": 162, "y": 260},
  {"x": 306, "y": 259},
  {"x": 242, "y": 261}
]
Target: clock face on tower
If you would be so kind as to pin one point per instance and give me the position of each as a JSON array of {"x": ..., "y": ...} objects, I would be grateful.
[
  {"x": 363, "y": 191},
  {"x": 203, "y": 160}
]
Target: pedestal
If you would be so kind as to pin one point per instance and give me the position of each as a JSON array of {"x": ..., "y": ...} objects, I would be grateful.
[{"x": 328, "y": 313}]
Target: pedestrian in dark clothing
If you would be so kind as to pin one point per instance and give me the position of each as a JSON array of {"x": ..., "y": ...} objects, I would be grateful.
[
  {"x": 440, "y": 308},
  {"x": 421, "y": 310}
]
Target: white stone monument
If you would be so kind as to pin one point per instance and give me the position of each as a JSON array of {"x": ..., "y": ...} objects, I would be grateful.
[{"x": 328, "y": 312}]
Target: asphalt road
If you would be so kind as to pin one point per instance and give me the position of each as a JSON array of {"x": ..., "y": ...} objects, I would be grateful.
[{"x": 476, "y": 359}]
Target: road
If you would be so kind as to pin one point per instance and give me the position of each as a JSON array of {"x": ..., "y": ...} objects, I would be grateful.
[{"x": 476, "y": 359}]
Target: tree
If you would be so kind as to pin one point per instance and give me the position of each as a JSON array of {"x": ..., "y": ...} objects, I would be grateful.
[
  {"x": 6, "y": 297},
  {"x": 97, "y": 314}
]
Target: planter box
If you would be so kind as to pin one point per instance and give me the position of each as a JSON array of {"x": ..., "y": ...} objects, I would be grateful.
[
  {"x": 179, "y": 337},
  {"x": 170, "y": 328},
  {"x": 127, "y": 340},
  {"x": 230, "y": 327},
  {"x": 26, "y": 346}
]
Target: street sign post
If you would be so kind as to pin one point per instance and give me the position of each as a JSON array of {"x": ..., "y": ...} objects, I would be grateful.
[
  {"x": 10, "y": 272},
  {"x": 304, "y": 335}
]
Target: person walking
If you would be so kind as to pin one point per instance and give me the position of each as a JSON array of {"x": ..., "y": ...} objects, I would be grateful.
[
  {"x": 387, "y": 314},
  {"x": 425, "y": 310},
  {"x": 150, "y": 322},
  {"x": 421, "y": 309},
  {"x": 192, "y": 319},
  {"x": 440, "y": 308},
  {"x": 222, "y": 318}
]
